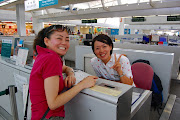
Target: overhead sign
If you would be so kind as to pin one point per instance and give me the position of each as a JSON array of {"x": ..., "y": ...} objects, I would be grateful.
[
  {"x": 45, "y": 3},
  {"x": 35, "y": 4},
  {"x": 89, "y": 21},
  {"x": 138, "y": 19},
  {"x": 127, "y": 31},
  {"x": 173, "y": 18},
  {"x": 114, "y": 31},
  {"x": 31, "y": 5}
]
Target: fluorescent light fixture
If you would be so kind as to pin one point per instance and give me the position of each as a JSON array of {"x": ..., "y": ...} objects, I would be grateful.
[
  {"x": 28, "y": 22},
  {"x": 7, "y": 2},
  {"x": 71, "y": 25},
  {"x": 8, "y": 21},
  {"x": 88, "y": 24}
]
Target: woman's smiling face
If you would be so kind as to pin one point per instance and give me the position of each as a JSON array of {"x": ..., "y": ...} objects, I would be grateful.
[
  {"x": 58, "y": 42},
  {"x": 102, "y": 51}
]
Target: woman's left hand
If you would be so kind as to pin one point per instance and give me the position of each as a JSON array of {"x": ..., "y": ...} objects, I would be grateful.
[
  {"x": 117, "y": 65},
  {"x": 69, "y": 81}
]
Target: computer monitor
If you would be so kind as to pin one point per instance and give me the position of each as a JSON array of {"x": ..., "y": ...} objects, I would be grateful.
[
  {"x": 29, "y": 45},
  {"x": 146, "y": 39},
  {"x": 163, "y": 39},
  {"x": 155, "y": 38},
  {"x": 88, "y": 36}
]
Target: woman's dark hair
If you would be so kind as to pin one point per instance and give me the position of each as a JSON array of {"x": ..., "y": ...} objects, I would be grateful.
[
  {"x": 47, "y": 32},
  {"x": 103, "y": 38},
  {"x": 39, "y": 40}
]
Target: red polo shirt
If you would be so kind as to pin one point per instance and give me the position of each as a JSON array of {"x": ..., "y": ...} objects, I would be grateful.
[{"x": 48, "y": 63}]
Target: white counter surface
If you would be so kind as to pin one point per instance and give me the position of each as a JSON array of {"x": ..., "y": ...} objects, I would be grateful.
[{"x": 26, "y": 69}]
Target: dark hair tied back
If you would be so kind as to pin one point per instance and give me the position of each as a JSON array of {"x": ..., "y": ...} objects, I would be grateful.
[
  {"x": 47, "y": 32},
  {"x": 39, "y": 39}
]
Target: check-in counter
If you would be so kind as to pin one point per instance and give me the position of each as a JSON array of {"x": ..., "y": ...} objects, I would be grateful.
[
  {"x": 141, "y": 105},
  {"x": 106, "y": 101},
  {"x": 161, "y": 63},
  {"x": 117, "y": 101},
  {"x": 88, "y": 104},
  {"x": 7, "y": 71}
]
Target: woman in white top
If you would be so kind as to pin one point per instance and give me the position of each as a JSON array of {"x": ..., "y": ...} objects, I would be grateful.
[{"x": 107, "y": 65}]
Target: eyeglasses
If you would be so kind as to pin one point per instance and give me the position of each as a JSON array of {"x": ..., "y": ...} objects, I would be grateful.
[{"x": 59, "y": 28}]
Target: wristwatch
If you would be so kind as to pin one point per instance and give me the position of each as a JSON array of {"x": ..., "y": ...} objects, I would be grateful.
[{"x": 120, "y": 75}]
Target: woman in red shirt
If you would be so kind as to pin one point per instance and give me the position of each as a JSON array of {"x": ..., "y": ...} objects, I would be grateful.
[{"x": 46, "y": 80}]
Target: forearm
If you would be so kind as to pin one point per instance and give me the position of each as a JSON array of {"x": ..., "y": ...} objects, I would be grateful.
[
  {"x": 124, "y": 79},
  {"x": 56, "y": 100},
  {"x": 65, "y": 97}
]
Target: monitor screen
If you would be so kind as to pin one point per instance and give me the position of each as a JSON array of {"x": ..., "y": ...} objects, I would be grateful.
[
  {"x": 29, "y": 45},
  {"x": 88, "y": 36},
  {"x": 155, "y": 38},
  {"x": 146, "y": 39},
  {"x": 163, "y": 39}
]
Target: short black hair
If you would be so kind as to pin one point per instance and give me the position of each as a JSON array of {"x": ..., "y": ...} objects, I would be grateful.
[{"x": 103, "y": 38}]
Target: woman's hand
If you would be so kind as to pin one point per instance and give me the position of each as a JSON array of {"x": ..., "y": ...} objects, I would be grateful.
[
  {"x": 69, "y": 80},
  {"x": 117, "y": 65},
  {"x": 88, "y": 82}
]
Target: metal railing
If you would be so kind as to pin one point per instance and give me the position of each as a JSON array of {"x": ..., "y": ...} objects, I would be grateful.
[{"x": 11, "y": 91}]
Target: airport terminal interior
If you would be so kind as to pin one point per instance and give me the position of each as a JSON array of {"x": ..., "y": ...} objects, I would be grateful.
[{"x": 145, "y": 30}]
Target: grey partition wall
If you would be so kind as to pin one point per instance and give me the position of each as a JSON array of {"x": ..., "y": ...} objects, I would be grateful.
[
  {"x": 81, "y": 50},
  {"x": 70, "y": 55},
  {"x": 168, "y": 49},
  {"x": 27, "y": 38},
  {"x": 161, "y": 63}
]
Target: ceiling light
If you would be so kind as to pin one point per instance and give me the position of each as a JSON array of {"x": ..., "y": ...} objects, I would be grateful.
[{"x": 7, "y": 2}]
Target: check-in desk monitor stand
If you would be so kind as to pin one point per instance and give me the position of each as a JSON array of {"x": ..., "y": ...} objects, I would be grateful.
[{"x": 107, "y": 100}]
